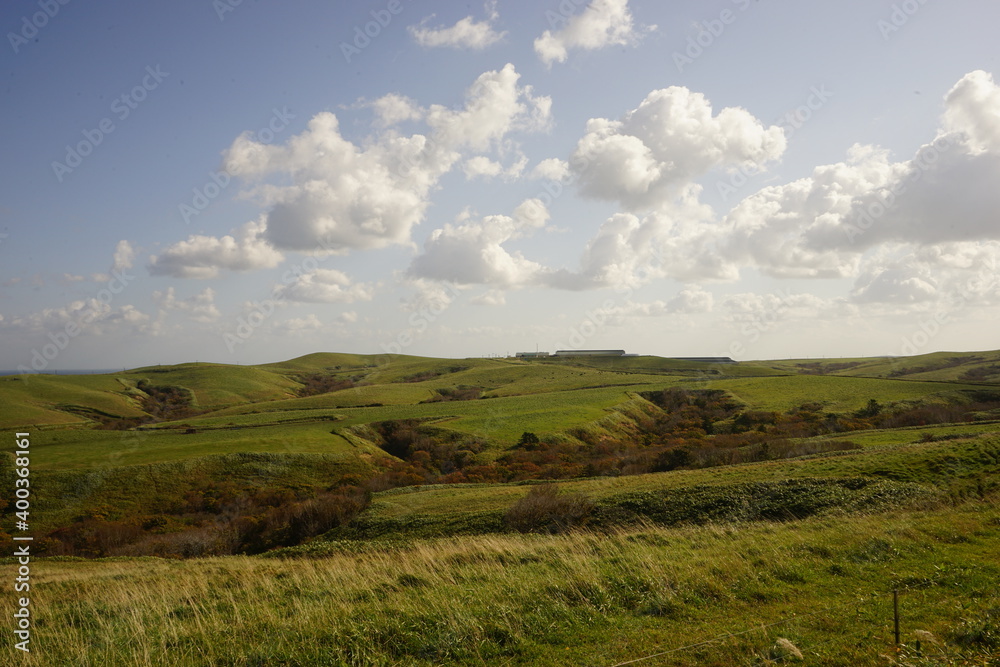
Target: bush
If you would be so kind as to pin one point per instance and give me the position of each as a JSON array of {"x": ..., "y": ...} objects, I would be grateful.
[{"x": 546, "y": 510}]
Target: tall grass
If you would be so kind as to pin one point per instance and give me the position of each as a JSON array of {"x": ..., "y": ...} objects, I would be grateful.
[{"x": 567, "y": 599}]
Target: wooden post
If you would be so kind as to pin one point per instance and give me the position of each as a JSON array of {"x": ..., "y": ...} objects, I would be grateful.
[{"x": 895, "y": 613}]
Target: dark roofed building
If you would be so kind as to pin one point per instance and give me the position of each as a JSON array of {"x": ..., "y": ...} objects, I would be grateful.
[{"x": 590, "y": 353}]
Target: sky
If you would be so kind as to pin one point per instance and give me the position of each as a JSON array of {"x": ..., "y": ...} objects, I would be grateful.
[{"x": 246, "y": 181}]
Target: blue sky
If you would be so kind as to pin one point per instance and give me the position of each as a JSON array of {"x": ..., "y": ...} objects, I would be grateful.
[{"x": 740, "y": 177}]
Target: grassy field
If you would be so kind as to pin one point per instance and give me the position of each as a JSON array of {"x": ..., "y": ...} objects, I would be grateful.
[
  {"x": 730, "y": 595},
  {"x": 944, "y": 464},
  {"x": 835, "y": 394},
  {"x": 936, "y": 366},
  {"x": 746, "y": 564}
]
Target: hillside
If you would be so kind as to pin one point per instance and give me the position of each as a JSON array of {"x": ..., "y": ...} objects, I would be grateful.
[{"x": 494, "y": 479}]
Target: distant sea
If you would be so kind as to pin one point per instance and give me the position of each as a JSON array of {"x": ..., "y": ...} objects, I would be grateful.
[{"x": 93, "y": 371}]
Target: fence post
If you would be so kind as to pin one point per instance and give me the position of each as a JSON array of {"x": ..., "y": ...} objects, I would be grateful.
[{"x": 895, "y": 613}]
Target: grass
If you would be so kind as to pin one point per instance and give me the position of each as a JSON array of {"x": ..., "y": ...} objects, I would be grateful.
[
  {"x": 219, "y": 385},
  {"x": 81, "y": 449},
  {"x": 119, "y": 491},
  {"x": 836, "y": 394},
  {"x": 500, "y": 419},
  {"x": 949, "y": 465},
  {"x": 48, "y": 399},
  {"x": 432, "y": 575},
  {"x": 572, "y": 599},
  {"x": 944, "y": 366}
]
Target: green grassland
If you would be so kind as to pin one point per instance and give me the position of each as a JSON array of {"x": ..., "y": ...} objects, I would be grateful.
[
  {"x": 728, "y": 596},
  {"x": 82, "y": 449},
  {"x": 946, "y": 464},
  {"x": 834, "y": 393},
  {"x": 62, "y": 399},
  {"x": 804, "y": 548},
  {"x": 935, "y": 366},
  {"x": 218, "y": 385}
]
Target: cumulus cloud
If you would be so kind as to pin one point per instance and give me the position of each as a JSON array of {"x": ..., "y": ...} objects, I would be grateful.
[
  {"x": 822, "y": 225},
  {"x": 491, "y": 297},
  {"x": 552, "y": 169},
  {"x": 775, "y": 307},
  {"x": 200, "y": 307},
  {"x": 973, "y": 109},
  {"x": 473, "y": 252},
  {"x": 692, "y": 300},
  {"x": 204, "y": 256},
  {"x": 481, "y": 166},
  {"x": 676, "y": 241},
  {"x": 602, "y": 23},
  {"x": 123, "y": 259},
  {"x": 931, "y": 277},
  {"x": 659, "y": 147},
  {"x": 393, "y": 109},
  {"x": 344, "y": 196},
  {"x": 299, "y": 325},
  {"x": 324, "y": 286},
  {"x": 466, "y": 34},
  {"x": 89, "y": 316}
]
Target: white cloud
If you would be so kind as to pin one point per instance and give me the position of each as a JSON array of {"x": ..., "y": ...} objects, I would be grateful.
[
  {"x": 676, "y": 241},
  {"x": 481, "y": 166},
  {"x": 431, "y": 295},
  {"x": 466, "y": 34},
  {"x": 204, "y": 256},
  {"x": 770, "y": 308},
  {"x": 473, "y": 252},
  {"x": 392, "y": 109},
  {"x": 552, "y": 169},
  {"x": 602, "y": 23},
  {"x": 931, "y": 277},
  {"x": 200, "y": 307},
  {"x": 491, "y": 297},
  {"x": 973, "y": 108},
  {"x": 124, "y": 256},
  {"x": 299, "y": 325},
  {"x": 494, "y": 106},
  {"x": 344, "y": 196},
  {"x": 692, "y": 300},
  {"x": 821, "y": 226},
  {"x": 324, "y": 286},
  {"x": 90, "y": 316},
  {"x": 670, "y": 139}
]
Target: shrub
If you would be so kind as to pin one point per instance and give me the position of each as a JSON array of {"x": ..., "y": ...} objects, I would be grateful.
[{"x": 546, "y": 510}]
